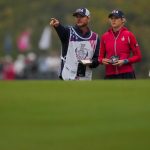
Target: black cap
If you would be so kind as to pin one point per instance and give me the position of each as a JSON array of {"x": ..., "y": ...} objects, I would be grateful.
[
  {"x": 82, "y": 12},
  {"x": 117, "y": 13}
]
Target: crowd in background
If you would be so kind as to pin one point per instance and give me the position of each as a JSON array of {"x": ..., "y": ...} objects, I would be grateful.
[{"x": 29, "y": 66}]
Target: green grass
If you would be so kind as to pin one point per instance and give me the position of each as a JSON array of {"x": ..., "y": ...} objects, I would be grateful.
[{"x": 86, "y": 115}]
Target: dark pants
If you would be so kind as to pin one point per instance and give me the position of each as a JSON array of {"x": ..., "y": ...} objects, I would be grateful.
[{"x": 129, "y": 75}]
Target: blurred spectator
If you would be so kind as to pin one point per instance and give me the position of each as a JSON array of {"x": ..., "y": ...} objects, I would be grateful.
[
  {"x": 48, "y": 67},
  {"x": 53, "y": 62},
  {"x": 45, "y": 40},
  {"x": 8, "y": 72},
  {"x": 31, "y": 66},
  {"x": 7, "y": 44},
  {"x": 23, "y": 41},
  {"x": 42, "y": 67},
  {"x": 19, "y": 66}
]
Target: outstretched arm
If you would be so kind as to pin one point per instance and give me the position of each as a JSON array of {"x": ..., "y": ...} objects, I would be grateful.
[{"x": 63, "y": 32}]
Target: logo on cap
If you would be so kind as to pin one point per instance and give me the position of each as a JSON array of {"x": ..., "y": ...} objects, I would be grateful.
[
  {"x": 82, "y": 12},
  {"x": 116, "y": 13}
]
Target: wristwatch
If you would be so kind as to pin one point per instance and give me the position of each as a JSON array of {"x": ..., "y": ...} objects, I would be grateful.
[{"x": 126, "y": 61}]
